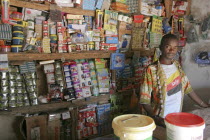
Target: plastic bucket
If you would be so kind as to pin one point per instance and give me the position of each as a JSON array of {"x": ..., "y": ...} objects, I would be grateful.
[
  {"x": 184, "y": 126},
  {"x": 133, "y": 127}
]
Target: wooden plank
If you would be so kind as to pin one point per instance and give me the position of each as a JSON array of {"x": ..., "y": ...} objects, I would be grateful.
[
  {"x": 53, "y": 56},
  {"x": 168, "y": 6},
  {"x": 144, "y": 52},
  {"x": 189, "y": 7},
  {"x": 55, "y": 106},
  {"x": 43, "y": 7}
]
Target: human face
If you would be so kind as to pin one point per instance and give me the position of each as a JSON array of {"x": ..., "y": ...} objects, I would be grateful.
[{"x": 170, "y": 49}]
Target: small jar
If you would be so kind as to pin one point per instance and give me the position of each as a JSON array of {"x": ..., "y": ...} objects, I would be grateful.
[
  {"x": 17, "y": 34},
  {"x": 5, "y": 49},
  {"x": 17, "y": 15},
  {"x": 17, "y": 27},
  {"x": 17, "y": 40},
  {"x": 16, "y": 48}
]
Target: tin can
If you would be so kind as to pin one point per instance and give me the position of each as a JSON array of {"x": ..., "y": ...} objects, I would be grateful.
[
  {"x": 86, "y": 74},
  {"x": 88, "y": 82},
  {"x": 86, "y": 66},
  {"x": 73, "y": 69},
  {"x": 91, "y": 45},
  {"x": 75, "y": 77}
]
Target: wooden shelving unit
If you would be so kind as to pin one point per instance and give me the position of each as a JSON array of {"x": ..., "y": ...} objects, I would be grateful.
[
  {"x": 55, "y": 106},
  {"x": 43, "y": 56},
  {"x": 44, "y": 7}
]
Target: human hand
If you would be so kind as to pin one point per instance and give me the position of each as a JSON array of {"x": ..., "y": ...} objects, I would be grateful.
[
  {"x": 159, "y": 121},
  {"x": 204, "y": 105}
]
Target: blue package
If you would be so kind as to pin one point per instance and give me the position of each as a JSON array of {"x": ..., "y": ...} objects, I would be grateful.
[
  {"x": 112, "y": 40},
  {"x": 99, "y": 4},
  {"x": 117, "y": 61},
  {"x": 89, "y": 4}
]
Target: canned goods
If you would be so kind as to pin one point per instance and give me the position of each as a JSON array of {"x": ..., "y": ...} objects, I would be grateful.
[
  {"x": 31, "y": 24},
  {"x": 91, "y": 45},
  {"x": 17, "y": 41},
  {"x": 16, "y": 48},
  {"x": 67, "y": 73},
  {"x": 69, "y": 84},
  {"x": 91, "y": 64},
  {"x": 76, "y": 85},
  {"x": 17, "y": 27},
  {"x": 12, "y": 103},
  {"x": 75, "y": 77},
  {"x": 93, "y": 73},
  {"x": 68, "y": 79},
  {"x": 95, "y": 91},
  {"x": 18, "y": 34},
  {"x": 4, "y": 75},
  {"x": 5, "y": 49},
  {"x": 88, "y": 82},
  {"x": 79, "y": 94},
  {"x": 87, "y": 74},
  {"x": 73, "y": 69},
  {"x": 66, "y": 68},
  {"x": 94, "y": 83},
  {"x": 4, "y": 82},
  {"x": 12, "y": 76},
  {"x": 85, "y": 66}
]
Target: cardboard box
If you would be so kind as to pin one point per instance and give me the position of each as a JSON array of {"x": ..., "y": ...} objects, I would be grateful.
[{"x": 36, "y": 127}]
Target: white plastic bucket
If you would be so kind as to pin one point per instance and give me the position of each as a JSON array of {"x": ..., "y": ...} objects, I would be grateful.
[
  {"x": 184, "y": 126},
  {"x": 133, "y": 127}
]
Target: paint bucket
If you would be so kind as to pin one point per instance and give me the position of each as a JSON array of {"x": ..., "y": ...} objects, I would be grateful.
[
  {"x": 184, "y": 126},
  {"x": 133, "y": 127}
]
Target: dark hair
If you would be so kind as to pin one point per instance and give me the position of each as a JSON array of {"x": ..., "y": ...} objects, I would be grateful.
[{"x": 166, "y": 38}]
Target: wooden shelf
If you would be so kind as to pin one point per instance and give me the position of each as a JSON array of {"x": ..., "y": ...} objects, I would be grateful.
[
  {"x": 55, "y": 106},
  {"x": 67, "y": 56},
  {"x": 52, "y": 56},
  {"x": 44, "y": 7}
]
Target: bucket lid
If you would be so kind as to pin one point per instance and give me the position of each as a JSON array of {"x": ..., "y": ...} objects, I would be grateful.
[
  {"x": 134, "y": 123},
  {"x": 184, "y": 119}
]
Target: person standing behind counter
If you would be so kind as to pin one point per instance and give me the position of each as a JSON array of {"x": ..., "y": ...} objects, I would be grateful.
[{"x": 165, "y": 84}]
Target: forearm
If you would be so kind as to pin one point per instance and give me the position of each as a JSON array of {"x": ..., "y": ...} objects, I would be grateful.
[
  {"x": 148, "y": 109},
  {"x": 158, "y": 120},
  {"x": 197, "y": 99}
]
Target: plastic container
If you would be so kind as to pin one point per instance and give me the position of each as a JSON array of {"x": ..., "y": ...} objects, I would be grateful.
[
  {"x": 5, "y": 49},
  {"x": 18, "y": 34},
  {"x": 184, "y": 126},
  {"x": 17, "y": 27},
  {"x": 16, "y": 48},
  {"x": 17, "y": 40},
  {"x": 133, "y": 127},
  {"x": 17, "y": 15}
]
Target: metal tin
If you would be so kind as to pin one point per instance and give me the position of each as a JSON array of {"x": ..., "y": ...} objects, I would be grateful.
[
  {"x": 12, "y": 104},
  {"x": 4, "y": 83},
  {"x": 19, "y": 84},
  {"x": 5, "y": 89},
  {"x": 12, "y": 76},
  {"x": 4, "y": 75},
  {"x": 12, "y": 97}
]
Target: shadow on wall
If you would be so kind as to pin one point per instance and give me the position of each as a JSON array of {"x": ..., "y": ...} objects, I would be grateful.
[
  {"x": 10, "y": 127},
  {"x": 190, "y": 105}
]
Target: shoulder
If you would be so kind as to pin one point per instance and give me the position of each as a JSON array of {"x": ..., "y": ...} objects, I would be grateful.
[{"x": 152, "y": 66}]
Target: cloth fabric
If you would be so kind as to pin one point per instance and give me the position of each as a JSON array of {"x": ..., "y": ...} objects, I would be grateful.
[
  {"x": 153, "y": 89},
  {"x": 173, "y": 89}
]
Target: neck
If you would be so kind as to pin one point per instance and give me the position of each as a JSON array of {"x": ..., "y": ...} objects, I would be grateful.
[{"x": 165, "y": 61}]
